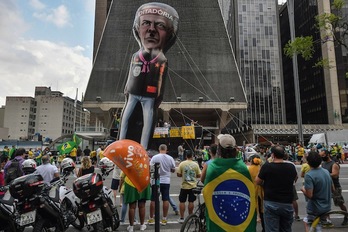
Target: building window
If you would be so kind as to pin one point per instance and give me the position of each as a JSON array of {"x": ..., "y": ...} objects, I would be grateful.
[{"x": 260, "y": 7}]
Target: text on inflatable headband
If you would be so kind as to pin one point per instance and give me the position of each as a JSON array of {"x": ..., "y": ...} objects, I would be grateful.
[{"x": 156, "y": 11}]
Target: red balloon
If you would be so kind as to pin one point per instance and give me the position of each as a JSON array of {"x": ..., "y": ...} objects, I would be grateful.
[{"x": 132, "y": 159}]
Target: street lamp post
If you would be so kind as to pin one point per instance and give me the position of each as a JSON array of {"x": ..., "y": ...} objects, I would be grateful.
[{"x": 290, "y": 4}]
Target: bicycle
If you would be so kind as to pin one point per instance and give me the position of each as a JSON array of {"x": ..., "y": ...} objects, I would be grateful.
[
  {"x": 196, "y": 221},
  {"x": 321, "y": 221}
]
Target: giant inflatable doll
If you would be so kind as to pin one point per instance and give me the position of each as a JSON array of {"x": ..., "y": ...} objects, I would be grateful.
[{"x": 155, "y": 28}]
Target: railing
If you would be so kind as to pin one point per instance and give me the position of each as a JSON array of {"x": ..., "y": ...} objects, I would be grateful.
[{"x": 91, "y": 129}]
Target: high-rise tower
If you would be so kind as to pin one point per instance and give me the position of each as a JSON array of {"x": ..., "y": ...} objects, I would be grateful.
[{"x": 203, "y": 83}]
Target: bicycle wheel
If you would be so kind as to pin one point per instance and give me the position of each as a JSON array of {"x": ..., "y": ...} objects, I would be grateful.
[
  {"x": 191, "y": 223},
  {"x": 331, "y": 219},
  {"x": 202, "y": 218}
]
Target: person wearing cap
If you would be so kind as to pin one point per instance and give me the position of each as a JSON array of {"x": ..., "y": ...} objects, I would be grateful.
[
  {"x": 277, "y": 178},
  {"x": 155, "y": 27},
  {"x": 229, "y": 191}
]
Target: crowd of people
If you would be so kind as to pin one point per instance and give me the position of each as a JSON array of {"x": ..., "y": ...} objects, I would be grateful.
[
  {"x": 274, "y": 174},
  {"x": 271, "y": 170}
]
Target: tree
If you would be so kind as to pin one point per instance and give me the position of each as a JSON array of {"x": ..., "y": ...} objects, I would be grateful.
[
  {"x": 335, "y": 28},
  {"x": 302, "y": 46}
]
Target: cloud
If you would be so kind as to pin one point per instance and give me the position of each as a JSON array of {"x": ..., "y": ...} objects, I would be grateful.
[
  {"x": 36, "y": 4},
  {"x": 26, "y": 63},
  {"x": 90, "y": 6},
  {"x": 42, "y": 63},
  {"x": 11, "y": 23},
  {"x": 58, "y": 16}
]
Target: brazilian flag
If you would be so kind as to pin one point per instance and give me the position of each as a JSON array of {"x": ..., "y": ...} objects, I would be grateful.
[
  {"x": 229, "y": 196},
  {"x": 76, "y": 139},
  {"x": 66, "y": 147}
]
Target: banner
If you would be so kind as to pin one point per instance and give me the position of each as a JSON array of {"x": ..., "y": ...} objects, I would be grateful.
[
  {"x": 160, "y": 132},
  {"x": 188, "y": 132},
  {"x": 175, "y": 132}
]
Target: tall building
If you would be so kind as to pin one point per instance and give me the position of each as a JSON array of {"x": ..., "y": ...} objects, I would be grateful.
[
  {"x": 319, "y": 90},
  {"x": 49, "y": 114},
  {"x": 203, "y": 83},
  {"x": 225, "y": 69},
  {"x": 254, "y": 32},
  {"x": 341, "y": 52}
]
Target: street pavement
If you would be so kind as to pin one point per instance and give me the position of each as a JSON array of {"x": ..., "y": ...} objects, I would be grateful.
[{"x": 174, "y": 226}]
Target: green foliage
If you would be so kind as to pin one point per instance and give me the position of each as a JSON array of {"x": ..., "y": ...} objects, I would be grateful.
[
  {"x": 324, "y": 63},
  {"x": 327, "y": 21},
  {"x": 338, "y": 4},
  {"x": 302, "y": 46}
]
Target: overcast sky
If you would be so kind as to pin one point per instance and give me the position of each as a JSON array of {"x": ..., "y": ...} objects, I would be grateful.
[{"x": 45, "y": 43}]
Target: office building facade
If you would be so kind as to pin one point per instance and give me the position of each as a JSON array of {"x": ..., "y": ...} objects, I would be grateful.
[
  {"x": 48, "y": 115},
  {"x": 203, "y": 83},
  {"x": 319, "y": 90},
  {"x": 253, "y": 28}
]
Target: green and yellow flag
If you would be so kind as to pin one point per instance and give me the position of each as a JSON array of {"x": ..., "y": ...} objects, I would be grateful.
[
  {"x": 76, "y": 139},
  {"x": 229, "y": 196},
  {"x": 66, "y": 147}
]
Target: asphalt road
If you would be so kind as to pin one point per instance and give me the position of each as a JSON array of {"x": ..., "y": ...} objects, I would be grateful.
[{"x": 173, "y": 225}]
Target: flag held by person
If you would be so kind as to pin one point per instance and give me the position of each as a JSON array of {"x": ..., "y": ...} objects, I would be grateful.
[
  {"x": 229, "y": 196},
  {"x": 76, "y": 139},
  {"x": 66, "y": 147}
]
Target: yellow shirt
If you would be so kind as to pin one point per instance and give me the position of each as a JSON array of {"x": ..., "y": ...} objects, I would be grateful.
[
  {"x": 126, "y": 180},
  {"x": 300, "y": 151},
  {"x": 73, "y": 152},
  {"x": 31, "y": 154},
  {"x": 93, "y": 154},
  {"x": 259, "y": 192},
  {"x": 60, "y": 158},
  {"x": 304, "y": 169},
  {"x": 101, "y": 154}
]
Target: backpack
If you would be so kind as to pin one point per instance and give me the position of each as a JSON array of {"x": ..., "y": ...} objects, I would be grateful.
[{"x": 13, "y": 171}]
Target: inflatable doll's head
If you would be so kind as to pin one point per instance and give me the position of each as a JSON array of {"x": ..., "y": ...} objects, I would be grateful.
[{"x": 155, "y": 26}]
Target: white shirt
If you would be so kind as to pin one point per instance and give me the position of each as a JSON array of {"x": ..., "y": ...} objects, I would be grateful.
[
  {"x": 98, "y": 151},
  {"x": 167, "y": 163},
  {"x": 116, "y": 173},
  {"x": 47, "y": 172}
]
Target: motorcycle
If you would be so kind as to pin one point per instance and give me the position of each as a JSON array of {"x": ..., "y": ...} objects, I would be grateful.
[
  {"x": 96, "y": 207},
  {"x": 7, "y": 213},
  {"x": 12, "y": 212},
  {"x": 26, "y": 193},
  {"x": 58, "y": 204}
]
